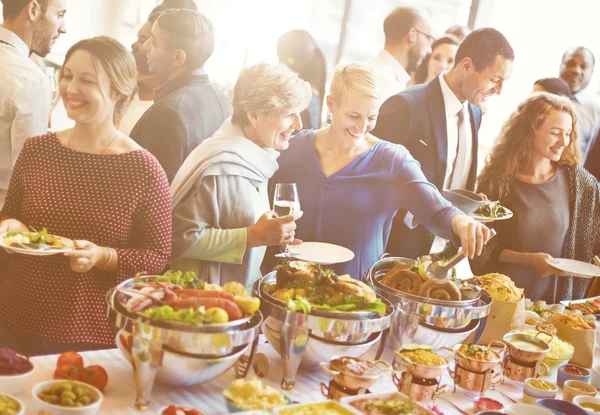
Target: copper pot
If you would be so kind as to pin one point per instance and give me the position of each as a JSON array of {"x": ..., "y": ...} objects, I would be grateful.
[
  {"x": 519, "y": 372},
  {"x": 424, "y": 371},
  {"x": 418, "y": 389},
  {"x": 336, "y": 392},
  {"x": 475, "y": 365},
  {"x": 475, "y": 381},
  {"x": 347, "y": 379},
  {"x": 528, "y": 356}
]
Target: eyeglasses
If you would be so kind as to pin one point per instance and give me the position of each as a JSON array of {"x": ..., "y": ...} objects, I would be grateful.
[{"x": 427, "y": 35}]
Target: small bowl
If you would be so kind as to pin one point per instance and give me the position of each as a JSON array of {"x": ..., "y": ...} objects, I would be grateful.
[
  {"x": 483, "y": 403},
  {"x": 465, "y": 200},
  {"x": 525, "y": 409},
  {"x": 232, "y": 408},
  {"x": 573, "y": 388},
  {"x": 579, "y": 400},
  {"x": 532, "y": 394},
  {"x": 563, "y": 376},
  {"x": 40, "y": 405},
  {"x": 164, "y": 408},
  {"x": 559, "y": 407},
  {"x": 595, "y": 379},
  {"x": 20, "y": 402},
  {"x": 14, "y": 384}
]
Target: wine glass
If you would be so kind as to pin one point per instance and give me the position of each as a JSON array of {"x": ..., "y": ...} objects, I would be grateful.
[{"x": 286, "y": 201}]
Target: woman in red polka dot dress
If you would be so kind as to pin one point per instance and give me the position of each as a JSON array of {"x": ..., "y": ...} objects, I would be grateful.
[{"x": 92, "y": 184}]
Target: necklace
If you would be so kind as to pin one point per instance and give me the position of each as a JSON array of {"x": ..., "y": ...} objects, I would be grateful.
[{"x": 105, "y": 148}]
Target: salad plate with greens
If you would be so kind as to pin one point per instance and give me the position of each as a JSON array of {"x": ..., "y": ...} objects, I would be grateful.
[
  {"x": 491, "y": 211},
  {"x": 35, "y": 243}
]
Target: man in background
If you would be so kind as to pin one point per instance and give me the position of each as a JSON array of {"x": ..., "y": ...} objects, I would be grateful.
[
  {"x": 188, "y": 108},
  {"x": 407, "y": 41},
  {"x": 146, "y": 81},
  {"x": 25, "y": 91},
  {"x": 576, "y": 70},
  {"x": 439, "y": 122}
]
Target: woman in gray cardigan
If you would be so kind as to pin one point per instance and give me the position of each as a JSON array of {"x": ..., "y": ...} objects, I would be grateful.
[
  {"x": 222, "y": 222},
  {"x": 533, "y": 170}
]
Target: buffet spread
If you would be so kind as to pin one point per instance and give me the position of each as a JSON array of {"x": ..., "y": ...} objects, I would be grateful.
[{"x": 308, "y": 341}]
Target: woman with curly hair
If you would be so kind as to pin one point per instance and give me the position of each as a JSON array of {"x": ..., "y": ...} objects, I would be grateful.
[{"x": 533, "y": 170}]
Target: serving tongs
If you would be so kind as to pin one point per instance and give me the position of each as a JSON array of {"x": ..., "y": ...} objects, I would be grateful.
[{"x": 439, "y": 271}]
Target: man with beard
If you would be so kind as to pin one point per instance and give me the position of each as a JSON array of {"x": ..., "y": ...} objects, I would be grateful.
[
  {"x": 438, "y": 123},
  {"x": 147, "y": 82},
  {"x": 25, "y": 92},
  {"x": 407, "y": 41},
  {"x": 576, "y": 70},
  {"x": 188, "y": 107}
]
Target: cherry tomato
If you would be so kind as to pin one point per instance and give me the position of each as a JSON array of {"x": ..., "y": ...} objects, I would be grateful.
[
  {"x": 96, "y": 376},
  {"x": 70, "y": 359}
]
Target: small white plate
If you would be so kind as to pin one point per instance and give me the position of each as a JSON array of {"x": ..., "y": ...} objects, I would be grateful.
[
  {"x": 321, "y": 253},
  {"x": 37, "y": 252},
  {"x": 486, "y": 219},
  {"x": 577, "y": 268}
]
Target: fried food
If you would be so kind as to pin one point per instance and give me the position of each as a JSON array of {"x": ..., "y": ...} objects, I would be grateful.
[
  {"x": 402, "y": 279},
  {"x": 575, "y": 321},
  {"x": 501, "y": 287},
  {"x": 440, "y": 291},
  {"x": 346, "y": 285}
]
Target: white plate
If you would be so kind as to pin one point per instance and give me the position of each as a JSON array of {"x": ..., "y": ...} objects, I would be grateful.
[
  {"x": 35, "y": 252},
  {"x": 321, "y": 253},
  {"x": 577, "y": 268},
  {"x": 486, "y": 219}
]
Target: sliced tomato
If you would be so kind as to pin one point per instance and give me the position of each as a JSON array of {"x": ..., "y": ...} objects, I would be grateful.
[
  {"x": 70, "y": 359},
  {"x": 96, "y": 376}
]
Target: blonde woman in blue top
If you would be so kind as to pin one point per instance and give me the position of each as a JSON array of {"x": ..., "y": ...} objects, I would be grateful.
[{"x": 351, "y": 183}]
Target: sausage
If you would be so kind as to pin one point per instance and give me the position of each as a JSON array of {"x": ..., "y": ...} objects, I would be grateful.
[
  {"x": 194, "y": 293},
  {"x": 233, "y": 310}
]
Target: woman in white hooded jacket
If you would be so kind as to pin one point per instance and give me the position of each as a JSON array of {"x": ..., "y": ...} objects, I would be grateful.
[{"x": 222, "y": 222}]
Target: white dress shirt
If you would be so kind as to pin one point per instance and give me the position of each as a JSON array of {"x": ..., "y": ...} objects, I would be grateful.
[
  {"x": 25, "y": 98},
  {"x": 587, "y": 111},
  {"x": 452, "y": 106},
  {"x": 136, "y": 109},
  {"x": 391, "y": 75}
]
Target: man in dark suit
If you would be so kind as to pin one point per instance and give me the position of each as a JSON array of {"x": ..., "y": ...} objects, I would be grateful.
[
  {"x": 188, "y": 108},
  {"x": 438, "y": 123}
]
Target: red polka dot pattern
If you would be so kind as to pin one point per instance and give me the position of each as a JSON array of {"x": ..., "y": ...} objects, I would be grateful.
[{"x": 118, "y": 201}]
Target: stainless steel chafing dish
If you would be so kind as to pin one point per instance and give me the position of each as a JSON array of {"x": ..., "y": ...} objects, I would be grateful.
[
  {"x": 178, "y": 354},
  {"x": 313, "y": 337},
  {"x": 425, "y": 320}
]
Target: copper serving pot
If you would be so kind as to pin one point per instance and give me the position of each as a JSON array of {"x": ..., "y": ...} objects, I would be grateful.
[
  {"x": 479, "y": 366},
  {"x": 475, "y": 381},
  {"x": 527, "y": 356},
  {"x": 421, "y": 390},
  {"x": 348, "y": 379},
  {"x": 424, "y": 371}
]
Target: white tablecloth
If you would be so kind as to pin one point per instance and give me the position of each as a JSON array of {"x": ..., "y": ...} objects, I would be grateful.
[{"x": 119, "y": 396}]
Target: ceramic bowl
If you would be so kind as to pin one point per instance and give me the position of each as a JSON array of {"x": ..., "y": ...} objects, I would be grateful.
[
  {"x": 581, "y": 401},
  {"x": 14, "y": 384},
  {"x": 40, "y": 405},
  {"x": 465, "y": 200},
  {"x": 525, "y": 409},
  {"x": 573, "y": 388},
  {"x": 559, "y": 407},
  {"x": 563, "y": 376},
  {"x": 532, "y": 394},
  {"x": 21, "y": 409},
  {"x": 595, "y": 379}
]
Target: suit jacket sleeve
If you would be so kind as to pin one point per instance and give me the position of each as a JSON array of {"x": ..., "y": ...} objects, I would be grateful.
[{"x": 394, "y": 121}]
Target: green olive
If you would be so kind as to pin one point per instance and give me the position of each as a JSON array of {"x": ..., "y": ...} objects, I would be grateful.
[
  {"x": 68, "y": 395},
  {"x": 67, "y": 402}
]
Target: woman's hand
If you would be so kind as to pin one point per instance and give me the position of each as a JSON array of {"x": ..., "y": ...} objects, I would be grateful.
[
  {"x": 270, "y": 230},
  {"x": 12, "y": 225},
  {"x": 542, "y": 264},
  {"x": 473, "y": 235},
  {"x": 85, "y": 256}
]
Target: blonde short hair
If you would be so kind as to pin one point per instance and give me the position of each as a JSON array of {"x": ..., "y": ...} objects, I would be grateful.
[
  {"x": 118, "y": 64},
  {"x": 354, "y": 79},
  {"x": 264, "y": 87}
]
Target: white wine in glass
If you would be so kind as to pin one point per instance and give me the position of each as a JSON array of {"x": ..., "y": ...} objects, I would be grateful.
[{"x": 286, "y": 200}]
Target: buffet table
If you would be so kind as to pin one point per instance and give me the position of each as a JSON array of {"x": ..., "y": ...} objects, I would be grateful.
[{"x": 119, "y": 396}]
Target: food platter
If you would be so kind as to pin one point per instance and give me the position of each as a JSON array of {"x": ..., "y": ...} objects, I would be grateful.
[{"x": 20, "y": 243}]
